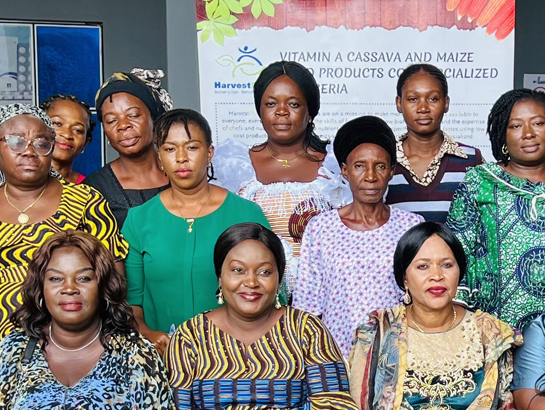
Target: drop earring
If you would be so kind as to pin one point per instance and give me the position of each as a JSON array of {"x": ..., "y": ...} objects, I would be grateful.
[
  {"x": 277, "y": 304},
  {"x": 220, "y": 297},
  {"x": 407, "y": 298}
]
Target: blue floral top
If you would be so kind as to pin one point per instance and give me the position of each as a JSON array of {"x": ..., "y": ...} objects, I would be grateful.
[{"x": 128, "y": 376}]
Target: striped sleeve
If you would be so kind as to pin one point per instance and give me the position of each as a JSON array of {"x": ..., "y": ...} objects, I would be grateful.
[
  {"x": 99, "y": 221},
  {"x": 180, "y": 360},
  {"x": 325, "y": 371}
]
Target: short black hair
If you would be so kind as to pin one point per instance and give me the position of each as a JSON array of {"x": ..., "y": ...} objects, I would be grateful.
[
  {"x": 307, "y": 83},
  {"x": 185, "y": 116},
  {"x": 427, "y": 68},
  {"x": 50, "y": 102},
  {"x": 498, "y": 119},
  {"x": 245, "y": 231},
  {"x": 411, "y": 242}
]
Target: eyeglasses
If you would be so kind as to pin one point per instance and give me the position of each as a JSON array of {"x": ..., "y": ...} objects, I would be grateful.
[{"x": 18, "y": 144}]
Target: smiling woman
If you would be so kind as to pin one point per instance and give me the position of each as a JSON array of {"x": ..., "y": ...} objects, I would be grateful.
[
  {"x": 498, "y": 213},
  {"x": 169, "y": 267},
  {"x": 431, "y": 353},
  {"x": 271, "y": 356},
  {"x": 34, "y": 204},
  {"x": 127, "y": 104},
  {"x": 76, "y": 346},
  {"x": 74, "y": 125}
]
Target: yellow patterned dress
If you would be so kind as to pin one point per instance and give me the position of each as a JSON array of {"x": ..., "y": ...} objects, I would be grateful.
[
  {"x": 295, "y": 365},
  {"x": 82, "y": 208}
]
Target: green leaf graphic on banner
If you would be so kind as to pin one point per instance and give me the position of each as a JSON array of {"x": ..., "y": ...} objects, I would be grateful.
[
  {"x": 220, "y": 19},
  {"x": 256, "y": 8},
  {"x": 234, "y": 6}
]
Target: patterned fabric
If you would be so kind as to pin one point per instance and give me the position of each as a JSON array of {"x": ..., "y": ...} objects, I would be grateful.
[
  {"x": 431, "y": 195},
  {"x": 295, "y": 365},
  {"x": 128, "y": 376},
  {"x": 12, "y": 110},
  {"x": 530, "y": 358},
  {"x": 81, "y": 208},
  {"x": 449, "y": 146},
  {"x": 379, "y": 362},
  {"x": 143, "y": 84},
  {"x": 456, "y": 357},
  {"x": 288, "y": 206},
  {"x": 346, "y": 274},
  {"x": 500, "y": 220}
]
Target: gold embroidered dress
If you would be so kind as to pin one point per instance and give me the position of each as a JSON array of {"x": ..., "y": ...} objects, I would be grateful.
[
  {"x": 444, "y": 370},
  {"x": 469, "y": 367}
]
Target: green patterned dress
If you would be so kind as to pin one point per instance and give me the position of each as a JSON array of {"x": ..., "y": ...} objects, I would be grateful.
[{"x": 500, "y": 220}]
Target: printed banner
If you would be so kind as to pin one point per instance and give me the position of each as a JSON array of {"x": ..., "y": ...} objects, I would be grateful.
[{"x": 356, "y": 50}]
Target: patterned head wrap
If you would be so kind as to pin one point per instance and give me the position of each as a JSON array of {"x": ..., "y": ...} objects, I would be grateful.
[
  {"x": 143, "y": 84},
  {"x": 361, "y": 130},
  {"x": 12, "y": 110}
]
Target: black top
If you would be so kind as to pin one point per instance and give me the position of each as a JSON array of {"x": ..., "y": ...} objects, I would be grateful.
[{"x": 119, "y": 199}]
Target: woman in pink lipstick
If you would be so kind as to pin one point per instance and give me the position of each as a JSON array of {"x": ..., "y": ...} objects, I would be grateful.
[
  {"x": 76, "y": 346},
  {"x": 73, "y": 132},
  {"x": 253, "y": 353},
  {"x": 170, "y": 273},
  {"x": 431, "y": 353},
  {"x": 290, "y": 175},
  {"x": 498, "y": 213},
  {"x": 430, "y": 163},
  {"x": 127, "y": 105}
]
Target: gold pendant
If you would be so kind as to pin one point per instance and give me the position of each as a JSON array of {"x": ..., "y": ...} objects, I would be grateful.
[
  {"x": 285, "y": 163},
  {"x": 190, "y": 221},
  {"x": 23, "y": 218}
]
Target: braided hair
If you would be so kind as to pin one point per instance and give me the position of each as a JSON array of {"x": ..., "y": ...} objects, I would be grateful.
[
  {"x": 184, "y": 116},
  {"x": 427, "y": 68},
  {"x": 498, "y": 119},
  {"x": 48, "y": 104}
]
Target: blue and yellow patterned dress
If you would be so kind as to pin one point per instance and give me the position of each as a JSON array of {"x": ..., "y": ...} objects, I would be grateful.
[
  {"x": 128, "y": 376},
  {"x": 82, "y": 208},
  {"x": 295, "y": 365}
]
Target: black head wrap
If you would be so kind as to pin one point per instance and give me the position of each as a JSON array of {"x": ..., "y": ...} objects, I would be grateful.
[
  {"x": 143, "y": 84},
  {"x": 361, "y": 130}
]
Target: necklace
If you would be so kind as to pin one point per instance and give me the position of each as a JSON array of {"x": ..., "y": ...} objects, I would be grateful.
[
  {"x": 451, "y": 323},
  {"x": 284, "y": 162},
  {"x": 79, "y": 348},
  {"x": 191, "y": 221},
  {"x": 23, "y": 217}
]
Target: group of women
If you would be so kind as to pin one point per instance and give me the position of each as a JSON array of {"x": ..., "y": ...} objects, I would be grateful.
[{"x": 110, "y": 284}]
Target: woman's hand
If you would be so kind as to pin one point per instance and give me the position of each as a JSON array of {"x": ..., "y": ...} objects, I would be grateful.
[{"x": 159, "y": 339}]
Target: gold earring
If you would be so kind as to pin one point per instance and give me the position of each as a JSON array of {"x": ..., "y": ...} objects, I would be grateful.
[
  {"x": 277, "y": 304},
  {"x": 220, "y": 297},
  {"x": 504, "y": 149},
  {"x": 407, "y": 298}
]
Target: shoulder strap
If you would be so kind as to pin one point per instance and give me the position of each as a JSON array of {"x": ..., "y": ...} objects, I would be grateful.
[{"x": 29, "y": 351}]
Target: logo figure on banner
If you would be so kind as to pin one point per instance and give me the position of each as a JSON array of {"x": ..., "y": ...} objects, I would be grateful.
[{"x": 247, "y": 63}]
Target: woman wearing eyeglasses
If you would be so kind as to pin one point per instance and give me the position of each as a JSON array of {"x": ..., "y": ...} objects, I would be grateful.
[{"x": 34, "y": 205}]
